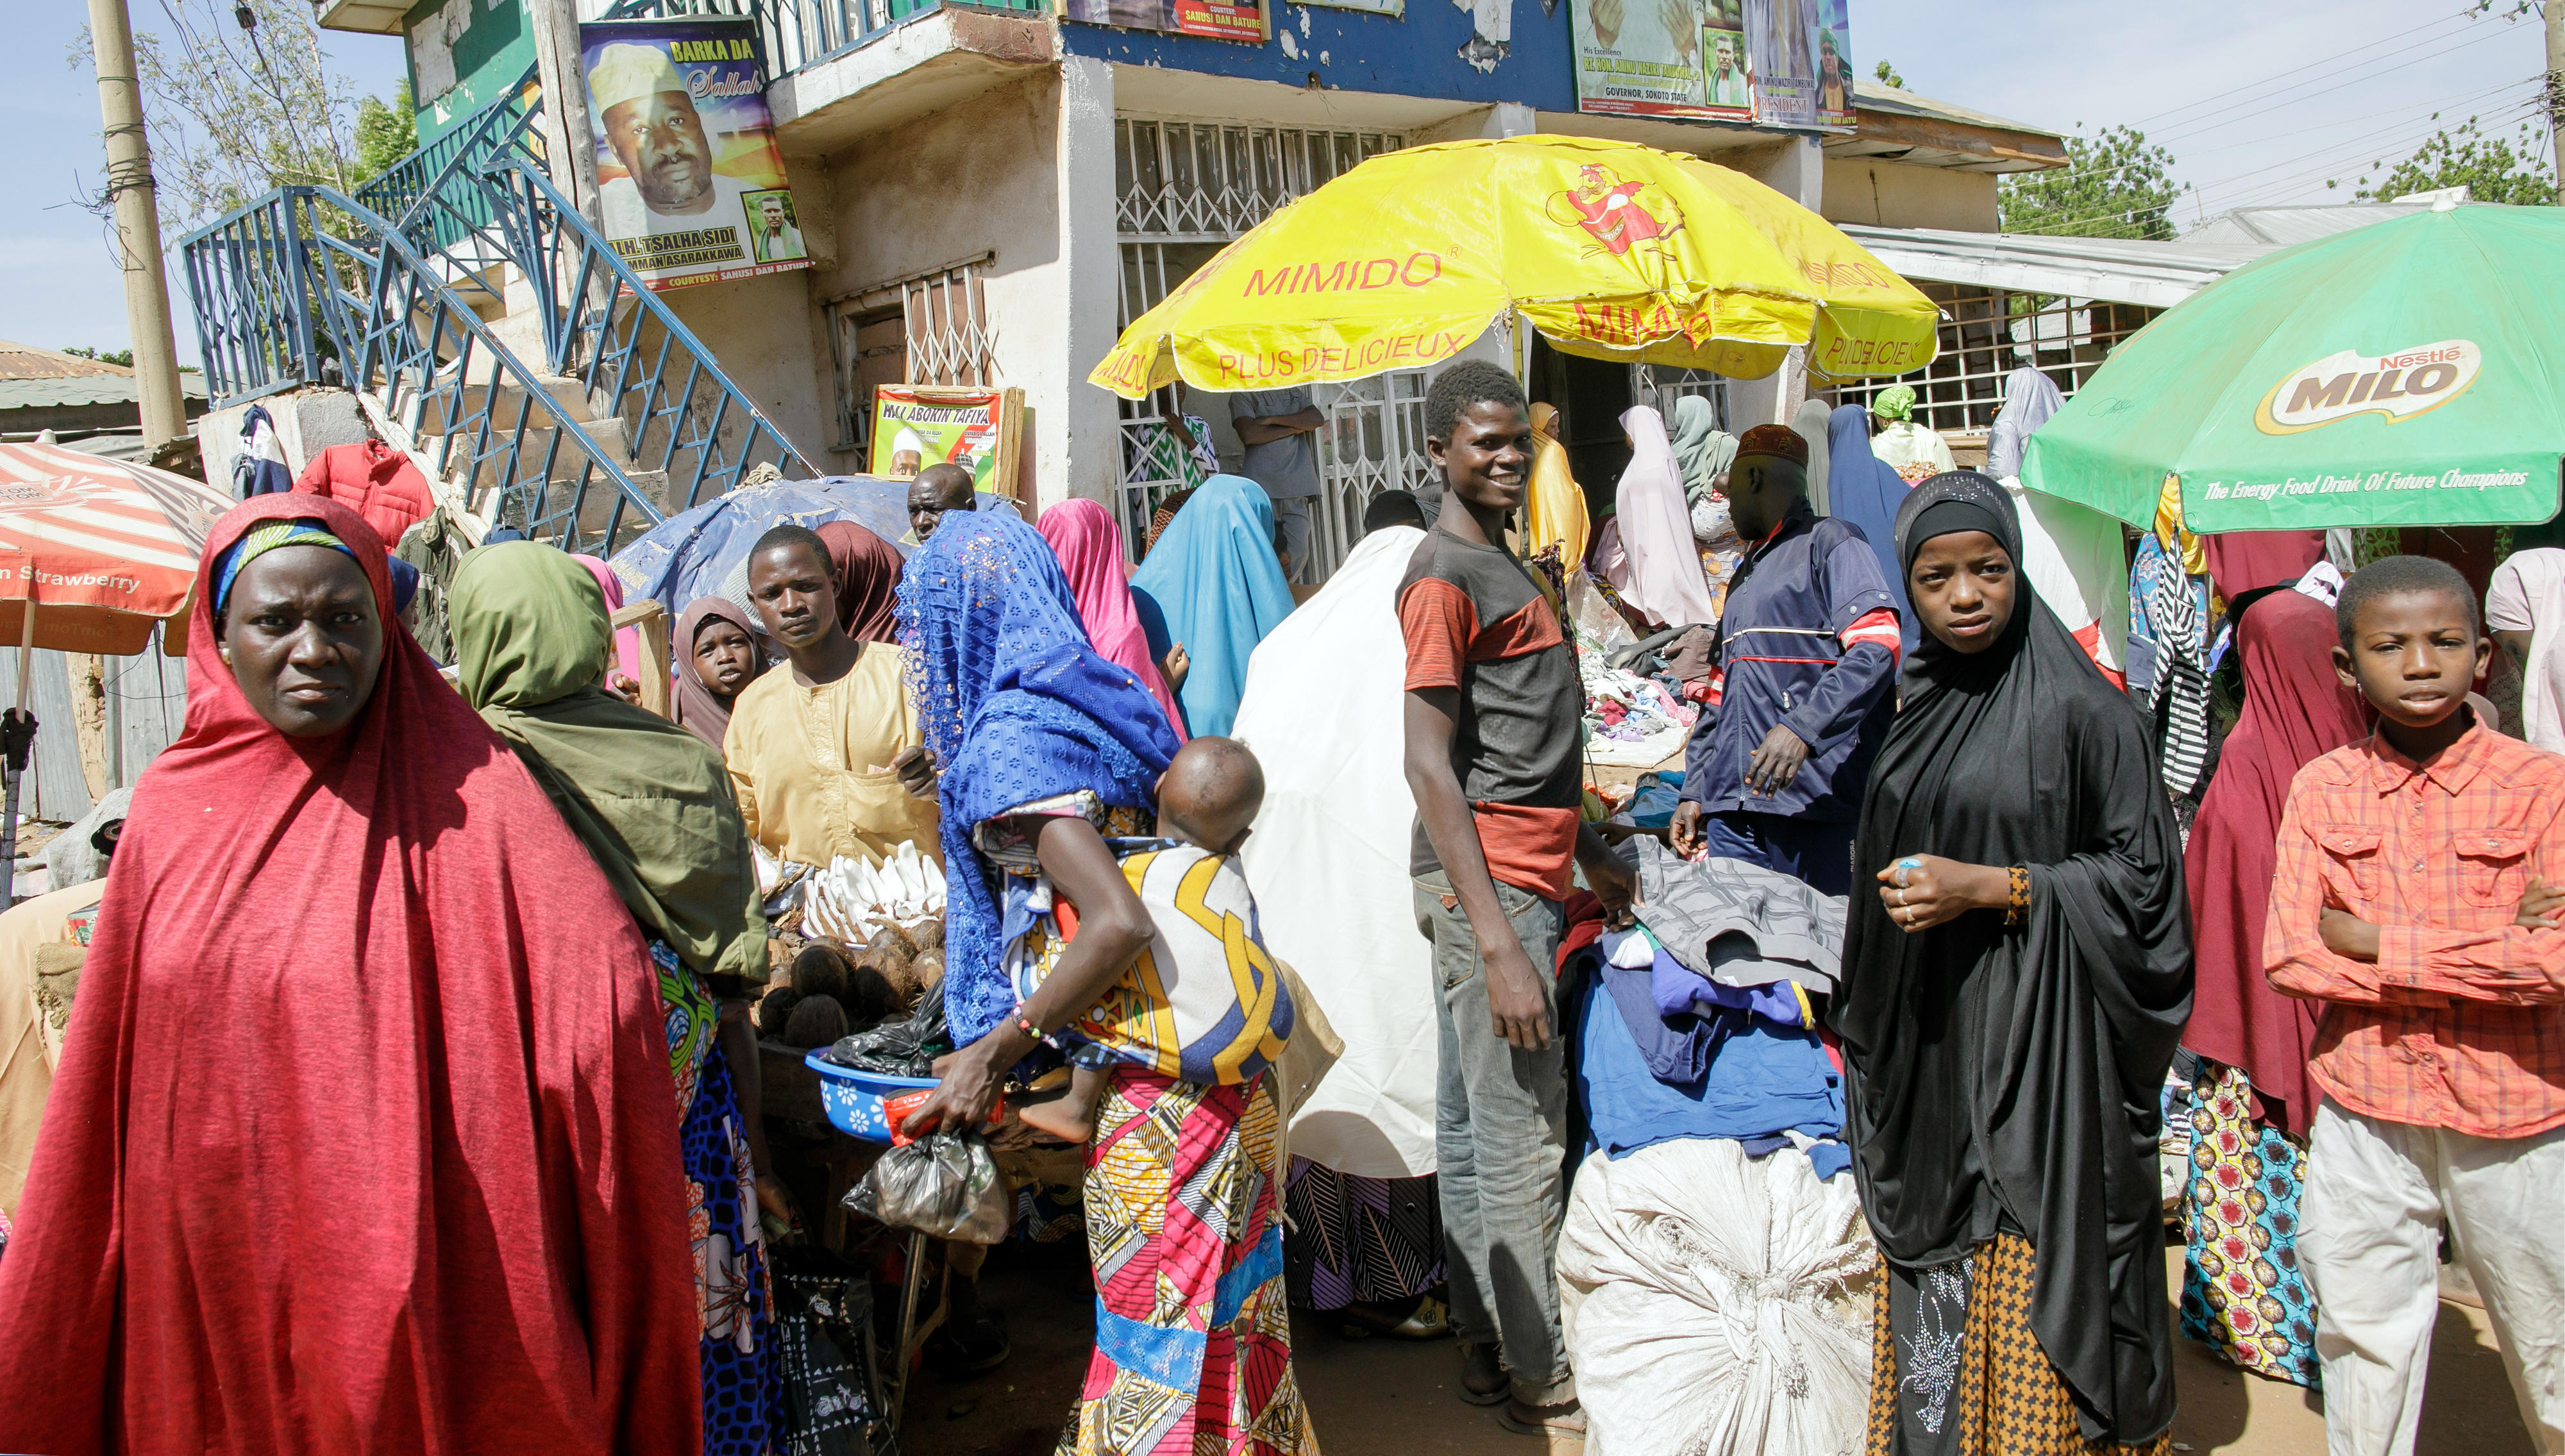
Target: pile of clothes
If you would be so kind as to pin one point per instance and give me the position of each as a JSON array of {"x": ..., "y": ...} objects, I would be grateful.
[
  {"x": 1633, "y": 716},
  {"x": 1715, "y": 1261}
]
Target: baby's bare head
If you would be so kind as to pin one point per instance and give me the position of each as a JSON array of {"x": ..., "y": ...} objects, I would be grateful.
[{"x": 1210, "y": 794}]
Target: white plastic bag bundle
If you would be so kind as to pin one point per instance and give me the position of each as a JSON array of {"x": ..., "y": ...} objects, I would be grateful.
[{"x": 1717, "y": 1304}]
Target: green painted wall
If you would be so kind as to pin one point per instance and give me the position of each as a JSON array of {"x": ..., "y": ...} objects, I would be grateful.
[{"x": 464, "y": 55}]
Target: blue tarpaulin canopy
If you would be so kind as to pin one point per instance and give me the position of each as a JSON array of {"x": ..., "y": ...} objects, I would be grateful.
[{"x": 704, "y": 552}]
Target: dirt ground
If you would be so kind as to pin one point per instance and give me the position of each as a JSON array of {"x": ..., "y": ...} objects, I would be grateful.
[{"x": 1383, "y": 1397}]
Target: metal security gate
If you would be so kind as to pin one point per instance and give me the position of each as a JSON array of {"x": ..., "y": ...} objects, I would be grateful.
[{"x": 1184, "y": 190}]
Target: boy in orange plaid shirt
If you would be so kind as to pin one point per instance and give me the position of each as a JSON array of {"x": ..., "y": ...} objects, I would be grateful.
[{"x": 2414, "y": 901}]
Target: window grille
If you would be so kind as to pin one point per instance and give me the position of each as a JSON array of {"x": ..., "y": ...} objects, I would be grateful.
[
  {"x": 929, "y": 327},
  {"x": 1661, "y": 387},
  {"x": 1184, "y": 189},
  {"x": 1986, "y": 333}
]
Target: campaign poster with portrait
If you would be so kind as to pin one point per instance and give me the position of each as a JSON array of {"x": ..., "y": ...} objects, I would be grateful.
[
  {"x": 690, "y": 182},
  {"x": 918, "y": 425},
  {"x": 1834, "y": 63},
  {"x": 1221, "y": 20},
  {"x": 1781, "y": 51},
  {"x": 1662, "y": 57}
]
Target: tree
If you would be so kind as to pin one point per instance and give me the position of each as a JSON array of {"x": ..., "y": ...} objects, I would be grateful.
[
  {"x": 1888, "y": 76},
  {"x": 236, "y": 112},
  {"x": 119, "y": 357},
  {"x": 385, "y": 134},
  {"x": 2113, "y": 185},
  {"x": 2489, "y": 167}
]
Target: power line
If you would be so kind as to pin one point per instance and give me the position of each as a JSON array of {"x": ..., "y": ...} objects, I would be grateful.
[
  {"x": 2389, "y": 147},
  {"x": 2270, "y": 101},
  {"x": 2295, "y": 69},
  {"x": 2177, "y": 136},
  {"x": 2441, "y": 103}
]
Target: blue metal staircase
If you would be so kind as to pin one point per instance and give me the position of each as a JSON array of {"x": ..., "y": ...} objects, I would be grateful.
[{"x": 597, "y": 420}]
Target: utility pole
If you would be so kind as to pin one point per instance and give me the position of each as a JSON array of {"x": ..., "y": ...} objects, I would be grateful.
[{"x": 137, "y": 224}]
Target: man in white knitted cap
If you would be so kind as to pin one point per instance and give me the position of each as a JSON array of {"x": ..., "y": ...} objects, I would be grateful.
[{"x": 650, "y": 121}]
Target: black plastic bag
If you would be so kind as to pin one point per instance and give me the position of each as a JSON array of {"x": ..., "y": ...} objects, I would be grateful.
[
  {"x": 943, "y": 1185},
  {"x": 823, "y": 1320},
  {"x": 905, "y": 1048}
]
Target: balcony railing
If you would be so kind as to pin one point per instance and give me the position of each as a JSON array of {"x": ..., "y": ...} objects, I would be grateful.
[{"x": 308, "y": 285}]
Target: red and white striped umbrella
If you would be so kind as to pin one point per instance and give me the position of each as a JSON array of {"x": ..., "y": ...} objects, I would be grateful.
[{"x": 103, "y": 548}]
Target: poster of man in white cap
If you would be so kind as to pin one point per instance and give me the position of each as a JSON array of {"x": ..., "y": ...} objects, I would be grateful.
[
  {"x": 918, "y": 426},
  {"x": 690, "y": 184}
]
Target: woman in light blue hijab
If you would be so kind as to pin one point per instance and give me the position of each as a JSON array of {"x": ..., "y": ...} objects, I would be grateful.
[{"x": 1212, "y": 585}]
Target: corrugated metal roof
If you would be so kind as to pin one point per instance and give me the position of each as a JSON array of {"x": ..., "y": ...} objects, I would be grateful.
[
  {"x": 2117, "y": 269},
  {"x": 25, "y": 361},
  {"x": 2287, "y": 226},
  {"x": 97, "y": 389},
  {"x": 1872, "y": 96}
]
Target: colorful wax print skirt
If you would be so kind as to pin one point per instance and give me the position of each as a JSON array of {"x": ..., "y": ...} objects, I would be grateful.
[
  {"x": 1955, "y": 1367},
  {"x": 1357, "y": 1240},
  {"x": 1193, "y": 1337},
  {"x": 743, "y": 1365},
  {"x": 2243, "y": 1292}
]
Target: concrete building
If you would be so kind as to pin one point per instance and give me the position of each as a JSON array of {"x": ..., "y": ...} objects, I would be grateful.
[{"x": 991, "y": 194}]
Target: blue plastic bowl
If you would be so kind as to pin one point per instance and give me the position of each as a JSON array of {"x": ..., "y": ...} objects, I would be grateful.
[{"x": 854, "y": 1099}]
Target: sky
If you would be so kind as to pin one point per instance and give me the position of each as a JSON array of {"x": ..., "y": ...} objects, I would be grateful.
[
  {"x": 59, "y": 285},
  {"x": 2260, "y": 103}
]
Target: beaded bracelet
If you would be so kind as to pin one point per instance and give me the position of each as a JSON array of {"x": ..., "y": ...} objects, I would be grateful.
[
  {"x": 1022, "y": 1023},
  {"x": 2017, "y": 905}
]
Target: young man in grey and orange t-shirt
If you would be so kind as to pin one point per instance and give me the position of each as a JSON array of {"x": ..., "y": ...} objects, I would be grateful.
[{"x": 1494, "y": 726}]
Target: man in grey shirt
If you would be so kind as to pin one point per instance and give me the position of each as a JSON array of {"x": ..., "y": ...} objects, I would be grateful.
[{"x": 1278, "y": 427}]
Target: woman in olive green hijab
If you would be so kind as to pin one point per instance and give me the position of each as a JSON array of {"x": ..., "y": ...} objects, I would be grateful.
[{"x": 652, "y": 803}]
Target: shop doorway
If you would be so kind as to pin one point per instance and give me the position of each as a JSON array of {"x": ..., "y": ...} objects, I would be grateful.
[{"x": 1591, "y": 395}]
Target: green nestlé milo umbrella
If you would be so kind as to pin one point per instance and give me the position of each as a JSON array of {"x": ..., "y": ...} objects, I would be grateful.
[{"x": 2406, "y": 374}]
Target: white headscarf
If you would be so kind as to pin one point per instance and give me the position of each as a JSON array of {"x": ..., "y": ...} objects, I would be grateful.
[
  {"x": 1325, "y": 691},
  {"x": 1664, "y": 580},
  {"x": 2527, "y": 594},
  {"x": 2029, "y": 399}
]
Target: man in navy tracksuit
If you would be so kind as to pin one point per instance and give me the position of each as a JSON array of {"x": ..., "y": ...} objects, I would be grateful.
[{"x": 1802, "y": 687}]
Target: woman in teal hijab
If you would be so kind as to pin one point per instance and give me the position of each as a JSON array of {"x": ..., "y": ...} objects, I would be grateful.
[
  {"x": 653, "y": 805},
  {"x": 1214, "y": 586}
]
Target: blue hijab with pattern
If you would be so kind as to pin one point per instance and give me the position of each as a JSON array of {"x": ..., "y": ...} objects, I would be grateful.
[{"x": 1016, "y": 706}]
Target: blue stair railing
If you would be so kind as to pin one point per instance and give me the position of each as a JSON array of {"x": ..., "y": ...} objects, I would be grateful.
[{"x": 308, "y": 285}]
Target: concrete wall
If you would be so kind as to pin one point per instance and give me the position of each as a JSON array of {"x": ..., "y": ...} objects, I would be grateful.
[
  {"x": 760, "y": 331},
  {"x": 1898, "y": 196},
  {"x": 989, "y": 176}
]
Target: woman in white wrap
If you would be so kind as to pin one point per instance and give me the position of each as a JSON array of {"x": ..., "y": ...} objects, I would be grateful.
[
  {"x": 1321, "y": 711},
  {"x": 2076, "y": 557},
  {"x": 2525, "y": 612},
  {"x": 1660, "y": 573}
]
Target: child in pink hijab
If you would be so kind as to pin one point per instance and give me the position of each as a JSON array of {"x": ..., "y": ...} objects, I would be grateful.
[
  {"x": 1089, "y": 547},
  {"x": 627, "y": 642}
]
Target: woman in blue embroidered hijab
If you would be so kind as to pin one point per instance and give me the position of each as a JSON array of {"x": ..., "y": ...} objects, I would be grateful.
[
  {"x": 1861, "y": 488},
  {"x": 1213, "y": 585},
  {"x": 1045, "y": 747},
  {"x": 1018, "y": 708}
]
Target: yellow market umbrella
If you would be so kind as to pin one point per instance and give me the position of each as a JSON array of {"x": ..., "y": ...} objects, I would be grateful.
[{"x": 1611, "y": 250}]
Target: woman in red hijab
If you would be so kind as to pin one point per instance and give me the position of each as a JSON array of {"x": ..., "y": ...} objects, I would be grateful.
[
  {"x": 1089, "y": 547},
  {"x": 2253, "y": 1041},
  {"x": 364, "y": 1136},
  {"x": 865, "y": 570}
]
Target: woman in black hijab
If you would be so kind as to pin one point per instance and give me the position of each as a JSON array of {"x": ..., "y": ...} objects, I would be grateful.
[{"x": 2011, "y": 997}]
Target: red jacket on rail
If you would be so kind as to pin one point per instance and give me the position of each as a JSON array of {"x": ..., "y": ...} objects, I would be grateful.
[{"x": 374, "y": 480}]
